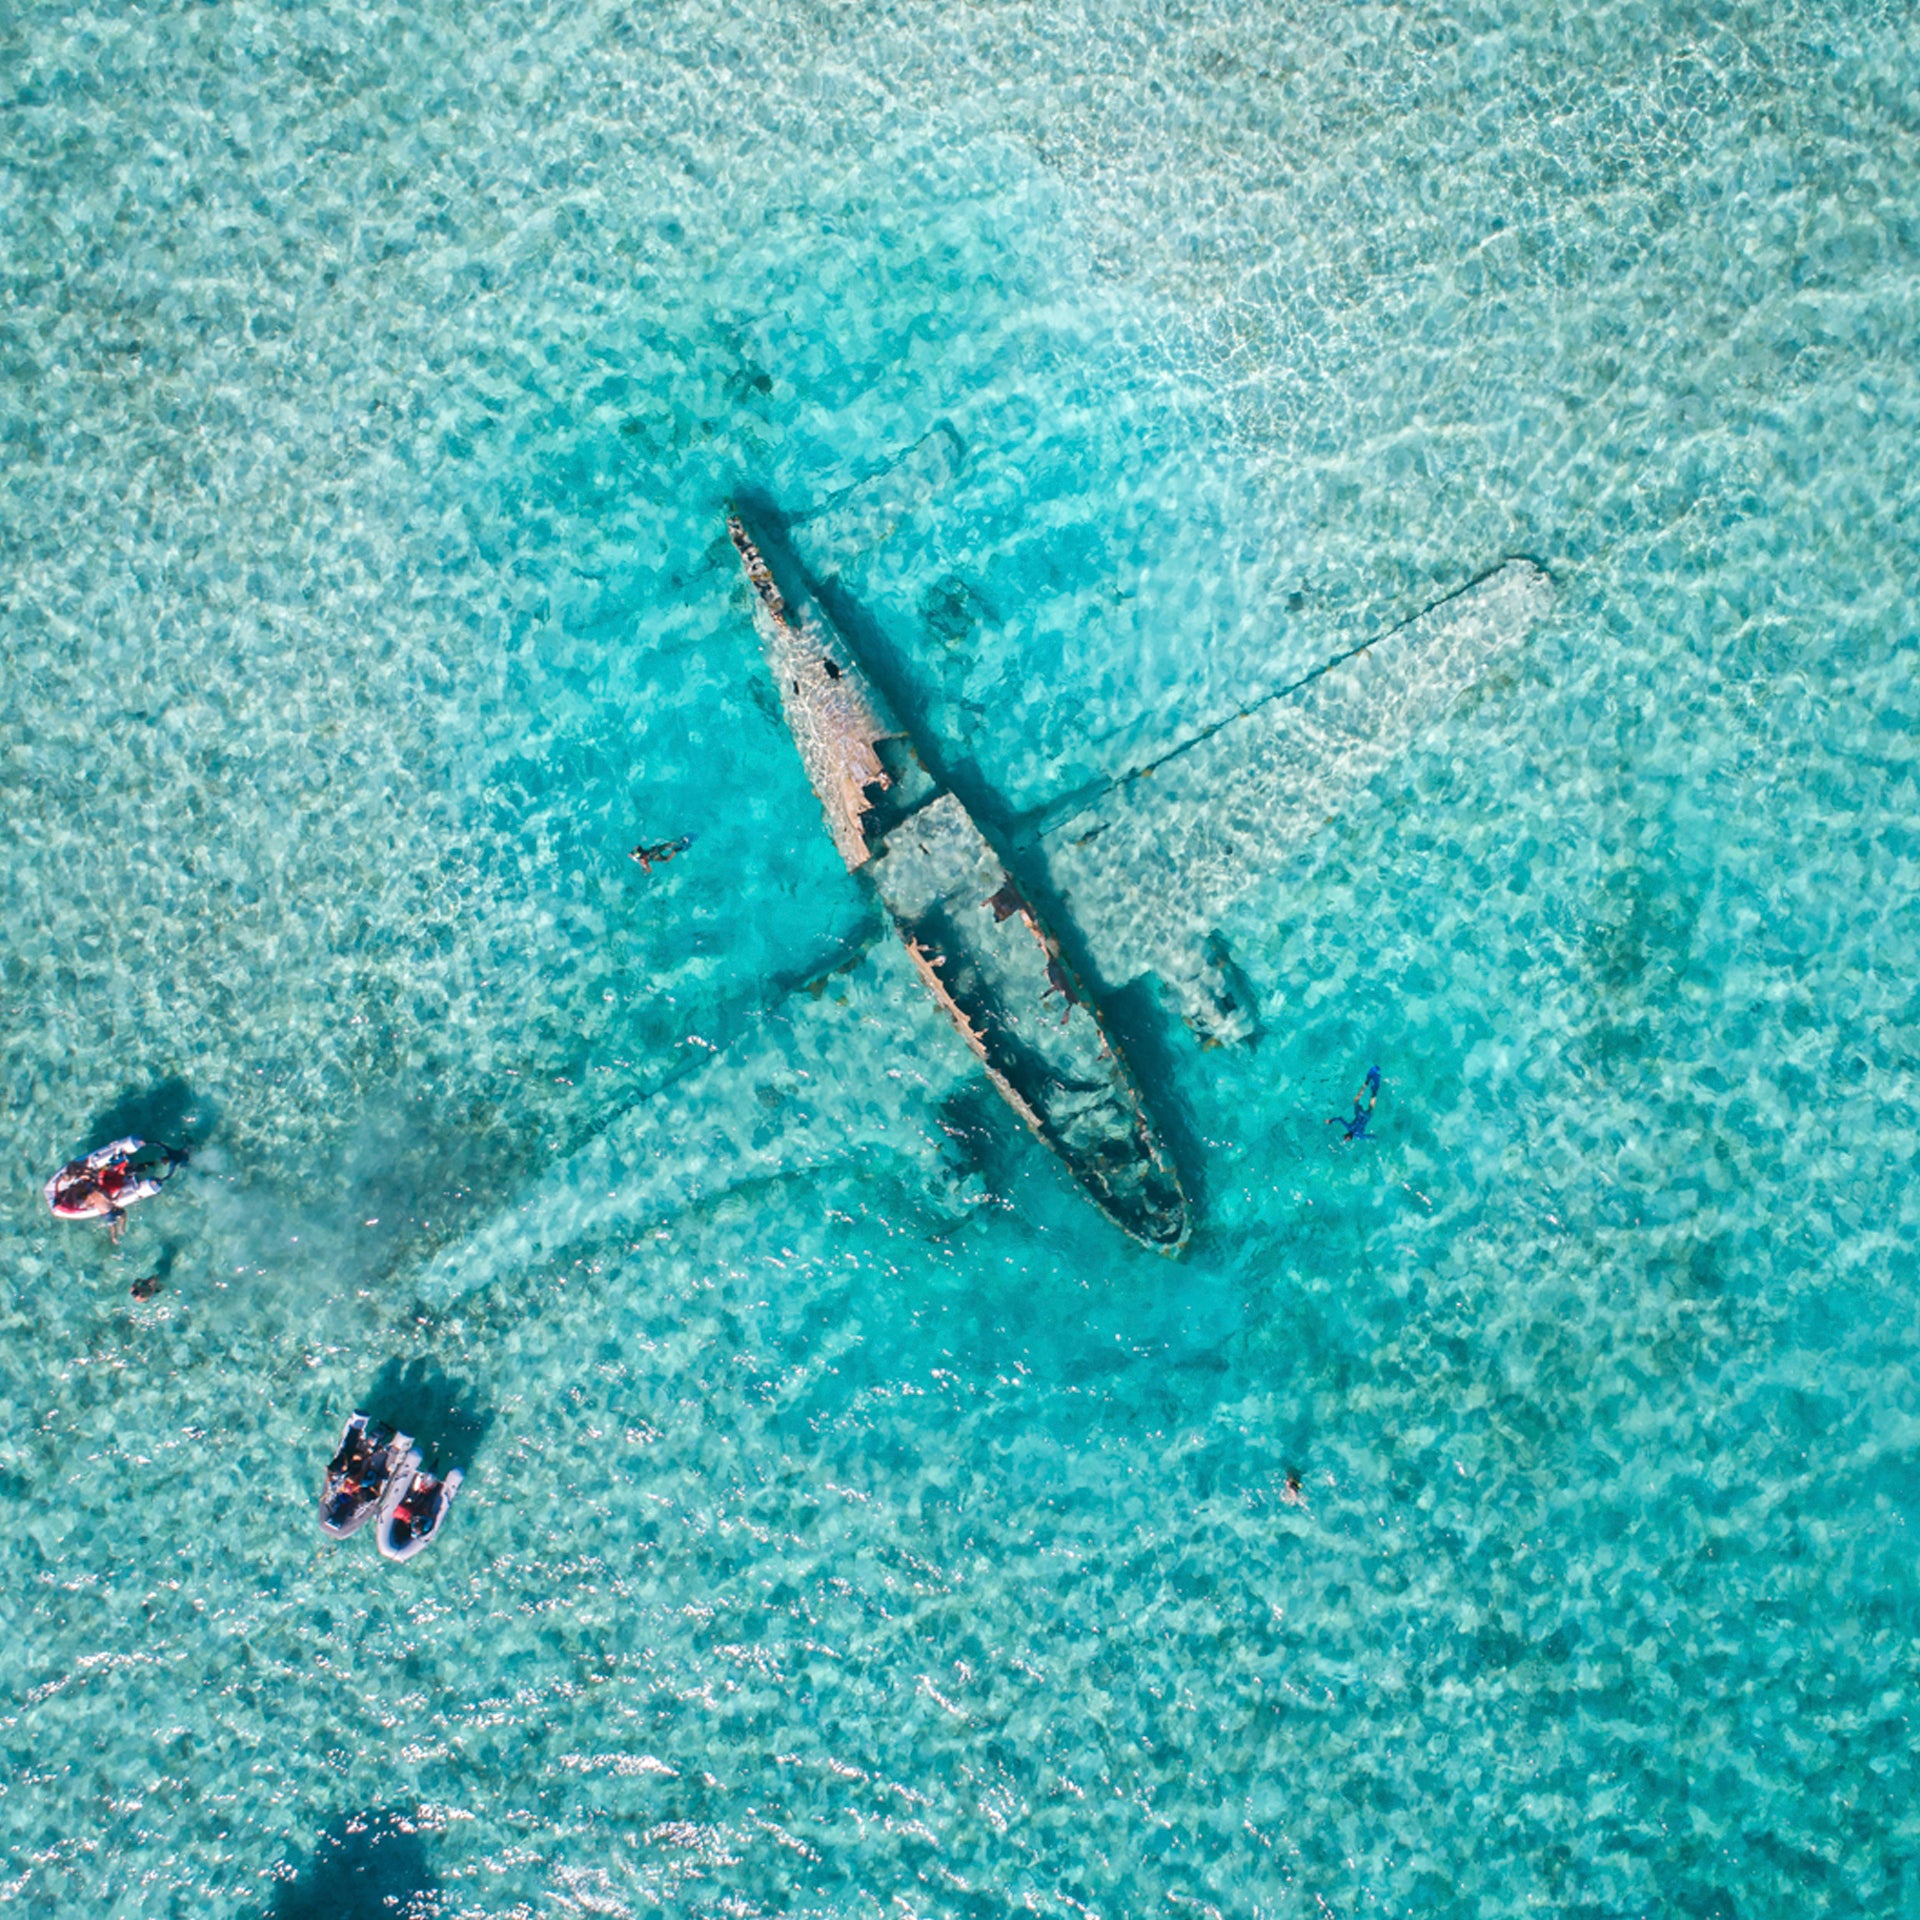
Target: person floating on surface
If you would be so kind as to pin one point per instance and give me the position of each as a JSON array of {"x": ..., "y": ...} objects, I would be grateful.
[
  {"x": 1363, "y": 1102},
  {"x": 660, "y": 852},
  {"x": 1061, "y": 982},
  {"x": 109, "y": 1181}
]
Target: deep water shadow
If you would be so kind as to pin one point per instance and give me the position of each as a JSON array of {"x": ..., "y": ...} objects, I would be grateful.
[
  {"x": 366, "y": 1866},
  {"x": 978, "y": 1139},
  {"x": 167, "y": 1114},
  {"x": 813, "y": 977},
  {"x": 1144, "y": 1032},
  {"x": 444, "y": 1420}
]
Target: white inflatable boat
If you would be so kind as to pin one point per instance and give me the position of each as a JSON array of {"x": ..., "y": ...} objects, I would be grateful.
[
  {"x": 415, "y": 1510},
  {"x": 109, "y": 1181}
]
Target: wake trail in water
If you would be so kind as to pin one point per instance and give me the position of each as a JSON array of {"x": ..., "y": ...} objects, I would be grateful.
[
  {"x": 856, "y": 1073},
  {"x": 1175, "y": 860}
]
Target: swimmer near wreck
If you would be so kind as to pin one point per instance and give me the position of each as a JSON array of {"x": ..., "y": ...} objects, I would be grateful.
[
  {"x": 657, "y": 853},
  {"x": 110, "y": 1180},
  {"x": 1363, "y": 1104}
]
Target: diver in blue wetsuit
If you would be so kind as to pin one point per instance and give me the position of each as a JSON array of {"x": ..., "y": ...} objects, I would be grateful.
[{"x": 1356, "y": 1128}]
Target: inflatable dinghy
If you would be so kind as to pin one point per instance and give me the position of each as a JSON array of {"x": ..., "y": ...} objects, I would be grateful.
[
  {"x": 414, "y": 1511},
  {"x": 107, "y": 1181},
  {"x": 369, "y": 1463}
]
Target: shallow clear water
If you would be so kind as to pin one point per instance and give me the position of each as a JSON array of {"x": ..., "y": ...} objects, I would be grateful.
[{"x": 855, "y": 1525}]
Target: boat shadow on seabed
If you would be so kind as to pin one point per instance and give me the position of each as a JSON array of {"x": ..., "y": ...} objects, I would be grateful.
[
  {"x": 366, "y": 1866},
  {"x": 415, "y": 1397},
  {"x": 169, "y": 1112}
]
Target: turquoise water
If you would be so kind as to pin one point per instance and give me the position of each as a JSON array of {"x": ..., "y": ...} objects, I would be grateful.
[{"x": 854, "y": 1523}]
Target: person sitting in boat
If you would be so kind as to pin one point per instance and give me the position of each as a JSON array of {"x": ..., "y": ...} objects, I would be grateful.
[
  {"x": 415, "y": 1513},
  {"x": 364, "y": 1469},
  {"x": 109, "y": 1181},
  {"x": 349, "y": 1465}
]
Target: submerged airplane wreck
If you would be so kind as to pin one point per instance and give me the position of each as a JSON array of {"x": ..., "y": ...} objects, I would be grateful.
[
  {"x": 1172, "y": 870},
  {"x": 983, "y": 952}
]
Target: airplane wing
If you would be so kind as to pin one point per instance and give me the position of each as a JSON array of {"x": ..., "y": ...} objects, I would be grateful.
[
  {"x": 1169, "y": 868},
  {"x": 1166, "y": 867}
]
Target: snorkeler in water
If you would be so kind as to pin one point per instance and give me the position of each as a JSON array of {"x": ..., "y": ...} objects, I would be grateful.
[
  {"x": 660, "y": 852},
  {"x": 1363, "y": 1103}
]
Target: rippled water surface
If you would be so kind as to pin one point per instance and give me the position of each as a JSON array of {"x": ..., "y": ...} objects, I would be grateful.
[{"x": 1514, "y": 1513}]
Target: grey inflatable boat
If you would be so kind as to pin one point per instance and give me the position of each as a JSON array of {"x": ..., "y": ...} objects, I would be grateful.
[{"x": 369, "y": 1461}]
